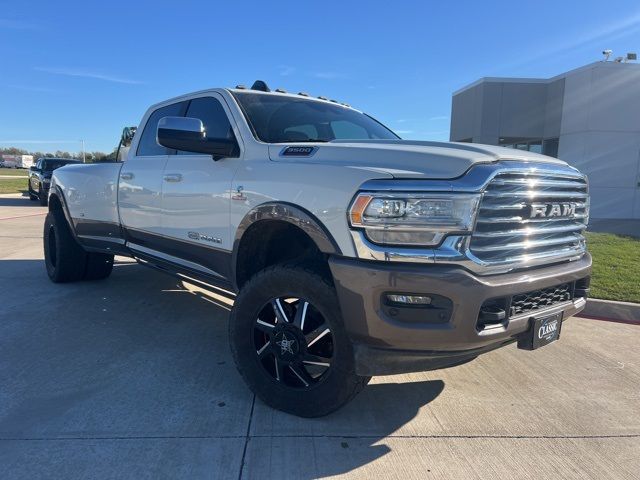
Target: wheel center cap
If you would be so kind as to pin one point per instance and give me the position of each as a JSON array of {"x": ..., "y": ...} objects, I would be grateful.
[{"x": 287, "y": 346}]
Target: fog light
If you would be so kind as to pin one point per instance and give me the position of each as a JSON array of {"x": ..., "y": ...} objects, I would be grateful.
[{"x": 409, "y": 299}]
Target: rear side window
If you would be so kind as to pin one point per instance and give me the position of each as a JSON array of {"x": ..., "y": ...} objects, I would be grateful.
[
  {"x": 148, "y": 144},
  {"x": 213, "y": 117}
]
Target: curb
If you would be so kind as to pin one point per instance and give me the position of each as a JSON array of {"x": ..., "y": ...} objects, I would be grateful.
[{"x": 609, "y": 310}]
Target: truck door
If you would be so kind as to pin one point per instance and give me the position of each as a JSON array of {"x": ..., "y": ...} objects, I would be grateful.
[
  {"x": 140, "y": 183},
  {"x": 195, "y": 195}
]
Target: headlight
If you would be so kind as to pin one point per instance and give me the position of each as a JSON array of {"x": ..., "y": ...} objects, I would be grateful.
[{"x": 413, "y": 219}]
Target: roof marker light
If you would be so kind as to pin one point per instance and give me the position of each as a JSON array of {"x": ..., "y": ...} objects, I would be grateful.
[{"x": 260, "y": 86}]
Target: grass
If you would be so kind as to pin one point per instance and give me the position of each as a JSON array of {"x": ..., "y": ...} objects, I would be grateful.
[
  {"x": 14, "y": 172},
  {"x": 13, "y": 185},
  {"x": 616, "y": 267}
]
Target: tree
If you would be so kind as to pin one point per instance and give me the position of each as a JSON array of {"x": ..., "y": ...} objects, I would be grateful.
[{"x": 90, "y": 157}]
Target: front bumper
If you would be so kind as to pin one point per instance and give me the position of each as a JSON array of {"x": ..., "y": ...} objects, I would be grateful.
[{"x": 387, "y": 341}]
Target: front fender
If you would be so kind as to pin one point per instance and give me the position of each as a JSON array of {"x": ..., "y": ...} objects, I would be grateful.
[
  {"x": 293, "y": 214},
  {"x": 289, "y": 213}
]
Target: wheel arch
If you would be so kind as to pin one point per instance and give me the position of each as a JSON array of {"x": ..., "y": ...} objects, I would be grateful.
[
  {"x": 57, "y": 203},
  {"x": 274, "y": 215}
]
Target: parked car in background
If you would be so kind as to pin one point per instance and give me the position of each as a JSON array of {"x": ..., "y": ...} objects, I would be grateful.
[
  {"x": 40, "y": 176},
  {"x": 9, "y": 161},
  {"x": 17, "y": 161}
]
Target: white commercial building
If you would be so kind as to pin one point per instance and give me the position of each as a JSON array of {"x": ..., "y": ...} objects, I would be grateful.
[{"x": 589, "y": 117}]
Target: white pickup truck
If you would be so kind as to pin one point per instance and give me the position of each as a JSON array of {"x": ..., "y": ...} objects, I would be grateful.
[{"x": 352, "y": 252}]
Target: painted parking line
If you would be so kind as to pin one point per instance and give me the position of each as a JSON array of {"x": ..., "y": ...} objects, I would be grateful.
[
  {"x": 24, "y": 216},
  {"x": 604, "y": 319}
]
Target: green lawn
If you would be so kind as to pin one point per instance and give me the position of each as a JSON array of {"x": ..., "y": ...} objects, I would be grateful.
[
  {"x": 616, "y": 267},
  {"x": 13, "y": 185},
  {"x": 14, "y": 172}
]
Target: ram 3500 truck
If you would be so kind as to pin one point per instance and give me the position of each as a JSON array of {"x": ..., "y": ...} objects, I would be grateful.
[{"x": 352, "y": 252}]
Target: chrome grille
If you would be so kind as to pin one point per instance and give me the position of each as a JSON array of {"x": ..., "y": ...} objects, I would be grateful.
[{"x": 531, "y": 217}]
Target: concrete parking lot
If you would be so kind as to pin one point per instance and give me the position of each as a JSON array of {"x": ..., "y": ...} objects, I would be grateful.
[{"x": 132, "y": 378}]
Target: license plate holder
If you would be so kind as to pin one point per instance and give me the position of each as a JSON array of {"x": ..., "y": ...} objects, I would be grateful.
[{"x": 544, "y": 330}]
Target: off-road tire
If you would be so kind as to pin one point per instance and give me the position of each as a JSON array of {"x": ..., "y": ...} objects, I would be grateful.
[
  {"x": 99, "y": 266},
  {"x": 64, "y": 259},
  {"x": 339, "y": 386}
]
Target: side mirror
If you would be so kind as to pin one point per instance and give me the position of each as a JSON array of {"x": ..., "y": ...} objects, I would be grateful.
[
  {"x": 127, "y": 135},
  {"x": 188, "y": 134}
]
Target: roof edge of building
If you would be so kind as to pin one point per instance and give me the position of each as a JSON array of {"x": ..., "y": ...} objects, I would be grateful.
[{"x": 598, "y": 63}]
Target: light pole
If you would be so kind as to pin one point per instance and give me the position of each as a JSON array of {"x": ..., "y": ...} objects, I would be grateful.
[{"x": 83, "y": 159}]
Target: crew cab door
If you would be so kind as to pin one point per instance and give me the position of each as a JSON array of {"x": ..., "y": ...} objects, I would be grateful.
[
  {"x": 140, "y": 183},
  {"x": 196, "y": 195}
]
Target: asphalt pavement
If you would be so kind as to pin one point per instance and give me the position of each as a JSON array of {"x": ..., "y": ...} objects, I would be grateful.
[{"x": 132, "y": 377}]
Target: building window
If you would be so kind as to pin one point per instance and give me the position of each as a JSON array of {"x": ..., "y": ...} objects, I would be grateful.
[
  {"x": 550, "y": 147},
  {"x": 535, "y": 147}
]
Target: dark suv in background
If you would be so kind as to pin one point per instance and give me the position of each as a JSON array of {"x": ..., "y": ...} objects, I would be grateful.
[{"x": 40, "y": 176}]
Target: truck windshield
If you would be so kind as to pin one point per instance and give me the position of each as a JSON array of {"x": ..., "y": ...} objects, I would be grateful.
[{"x": 278, "y": 118}]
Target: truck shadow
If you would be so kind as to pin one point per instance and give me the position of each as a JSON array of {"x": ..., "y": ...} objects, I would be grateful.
[
  {"x": 142, "y": 354},
  {"x": 15, "y": 201}
]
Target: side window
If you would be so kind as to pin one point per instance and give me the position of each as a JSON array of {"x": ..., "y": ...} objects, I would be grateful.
[
  {"x": 214, "y": 118},
  {"x": 148, "y": 144}
]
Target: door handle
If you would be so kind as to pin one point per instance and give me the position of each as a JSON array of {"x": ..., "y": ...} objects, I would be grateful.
[
  {"x": 173, "y": 177},
  {"x": 126, "y": 176}
]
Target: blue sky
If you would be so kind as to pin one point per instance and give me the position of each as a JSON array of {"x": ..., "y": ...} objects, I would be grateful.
[{"x": 83, "y": 70}]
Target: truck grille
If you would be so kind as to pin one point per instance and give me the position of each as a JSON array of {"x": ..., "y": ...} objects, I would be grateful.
[{"x": 531, "y": 217}]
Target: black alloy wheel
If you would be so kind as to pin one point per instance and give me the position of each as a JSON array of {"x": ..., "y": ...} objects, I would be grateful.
[{"x": 293, "y": 342}]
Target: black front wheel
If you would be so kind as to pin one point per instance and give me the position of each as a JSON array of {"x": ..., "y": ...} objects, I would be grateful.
[
  {"x": 32, "y": 194},
  {"x": 289, "y": 342},
  {"x": 42, "y": 197}
]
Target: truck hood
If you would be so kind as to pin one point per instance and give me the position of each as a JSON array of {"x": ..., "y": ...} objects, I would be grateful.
[{"x": 407, "y": 158}]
